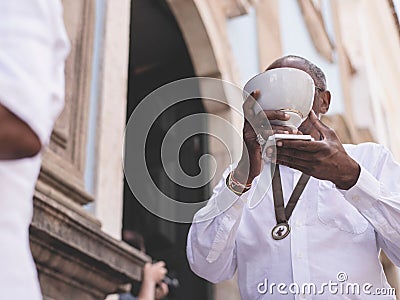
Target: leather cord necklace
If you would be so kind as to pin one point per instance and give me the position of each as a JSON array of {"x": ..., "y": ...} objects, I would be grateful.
[{"x": 282, "y": 213}]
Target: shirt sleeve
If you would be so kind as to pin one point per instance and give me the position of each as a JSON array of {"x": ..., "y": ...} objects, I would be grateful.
[
  {"x": 376, "y": 195},
  {"x": 33, "y": 49},
  {"x": 211, "y": 245}
]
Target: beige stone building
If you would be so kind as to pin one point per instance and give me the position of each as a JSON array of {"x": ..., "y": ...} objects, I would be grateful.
[{"x": 121, "y": 51}]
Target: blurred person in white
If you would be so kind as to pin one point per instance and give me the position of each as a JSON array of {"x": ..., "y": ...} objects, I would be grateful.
[
  {"x": 33, "y": 49},
  {"x": 348, "y": 211}
]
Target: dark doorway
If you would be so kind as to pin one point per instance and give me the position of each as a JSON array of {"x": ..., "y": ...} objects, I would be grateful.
[{"x": 158, "y": 55}]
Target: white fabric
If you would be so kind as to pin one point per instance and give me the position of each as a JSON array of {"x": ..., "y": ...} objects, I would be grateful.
[
  {"x": 332, "y": 231},
  {"x": 33, "y": 48}
]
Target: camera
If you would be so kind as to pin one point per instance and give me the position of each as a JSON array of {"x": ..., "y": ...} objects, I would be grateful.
[{"x": 171, "y": 282}]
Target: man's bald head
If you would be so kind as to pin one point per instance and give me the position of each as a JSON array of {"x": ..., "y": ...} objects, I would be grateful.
[{"x": 301, "y": 63}]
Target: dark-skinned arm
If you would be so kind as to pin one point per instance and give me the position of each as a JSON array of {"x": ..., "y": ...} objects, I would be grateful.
[
  {"x": 17, "y": 139},
  {"x": 325, "y": 159},
  {"x": 211, "y": 245},
  {"x": 372, "y": 187}
]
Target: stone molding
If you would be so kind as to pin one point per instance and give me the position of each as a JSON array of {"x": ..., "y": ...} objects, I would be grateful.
[
  {"x": 67, "y": 149},
  {"x": 316, "y": 27},
  {"x": 75, "y": 258},
  {"x": 73, "y": 254},
  {"x": 235, "y": 8}
]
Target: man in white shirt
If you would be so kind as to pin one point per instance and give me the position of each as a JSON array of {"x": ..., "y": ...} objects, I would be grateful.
[
  {"x": 328, "y": 247},
  {"x": 33, "y": 49}
]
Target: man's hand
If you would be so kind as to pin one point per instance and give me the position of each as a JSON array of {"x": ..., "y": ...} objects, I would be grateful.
[
  {"x": 154, "y": 273},
  {"x": 250, "y": 164},
  {"x": 325, "y": 159},
  {"x": 161, "y": 291}
]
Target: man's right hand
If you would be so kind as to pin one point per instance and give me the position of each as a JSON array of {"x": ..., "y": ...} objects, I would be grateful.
[
  {"x": 250, "y": 164},
  {"x": 154, "y": 273},
  {"x": 161, "y": 291}
]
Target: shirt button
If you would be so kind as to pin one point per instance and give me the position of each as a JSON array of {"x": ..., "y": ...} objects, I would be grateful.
[
  {"x": 302, "y": 295},
  {"x": 356, "y": 198}
]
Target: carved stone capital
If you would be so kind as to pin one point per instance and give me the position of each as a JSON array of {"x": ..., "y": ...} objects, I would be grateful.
[
  {"x": 235, "y": 8},
  {"x": 74, "y": 256}
]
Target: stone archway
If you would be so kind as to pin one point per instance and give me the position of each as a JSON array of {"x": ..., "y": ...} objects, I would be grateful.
[
  {"x": 204, "y": 36},
  {"x": 203, "y": 26}
]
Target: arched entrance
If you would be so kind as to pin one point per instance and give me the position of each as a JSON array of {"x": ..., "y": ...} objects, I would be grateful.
[{"x": 159, "y": 55}]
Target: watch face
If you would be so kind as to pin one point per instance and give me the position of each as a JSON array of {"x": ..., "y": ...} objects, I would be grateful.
[{"x": 280, "y": 231}]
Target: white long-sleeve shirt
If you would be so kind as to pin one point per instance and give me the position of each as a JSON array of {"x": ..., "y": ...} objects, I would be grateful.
[
  {"x": 33, "y": 49},
  {"x": 335, "y": 235}
]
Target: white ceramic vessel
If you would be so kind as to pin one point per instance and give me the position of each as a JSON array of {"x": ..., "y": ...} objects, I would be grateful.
[{"x": 287, "y": 89}]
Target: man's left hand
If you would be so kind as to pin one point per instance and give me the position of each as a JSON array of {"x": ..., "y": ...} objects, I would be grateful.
[
  {"x": 161, "y": 291},
  {"x": 325, "y": 159}
]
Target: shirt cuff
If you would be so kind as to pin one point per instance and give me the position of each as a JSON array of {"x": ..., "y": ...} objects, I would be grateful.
[
  {"x": 365, "y": 193},
  {"x": 226, "y": 202}
]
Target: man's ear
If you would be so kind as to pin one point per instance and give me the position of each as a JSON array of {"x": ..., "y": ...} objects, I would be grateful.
[{"x": 325, "y": 101}]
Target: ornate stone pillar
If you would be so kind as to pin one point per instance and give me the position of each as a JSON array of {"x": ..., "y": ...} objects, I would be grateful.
[{"x": 75, "y": 258}]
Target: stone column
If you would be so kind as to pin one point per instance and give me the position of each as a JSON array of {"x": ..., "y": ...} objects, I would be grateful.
[{"x": 75, "y": 258}]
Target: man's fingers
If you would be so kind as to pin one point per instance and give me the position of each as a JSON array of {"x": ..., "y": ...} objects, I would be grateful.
[
  {"x": 297, "y": 154},
  {"x": 164, "y": 287},
  {"x": 290, "y": 130},
  {"x": 281, "y": 131},
  {"x": 277, "y": 129},
  {"x": 276, "y": 115},
  {"x": 248, "y": 105},
  {"x": 324, "y": 130},
  {"x": 292, "y": 163},
  {"x": 268, "y": 115},
  {"x": 315, "y": 122},
  {"x": 263, "y": 117},
  {"x": 308, "y": 146},
  {"x": 160, "y": 263},
  {"x": 266, "y": 133},
  {"x": 161, "y": 291}
]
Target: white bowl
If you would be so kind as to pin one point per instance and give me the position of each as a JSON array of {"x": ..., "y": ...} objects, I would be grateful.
[{"x": 287, "y": 89}]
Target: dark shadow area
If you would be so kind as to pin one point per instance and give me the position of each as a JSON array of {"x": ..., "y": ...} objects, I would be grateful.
[{"x": 158, "y": 55}]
